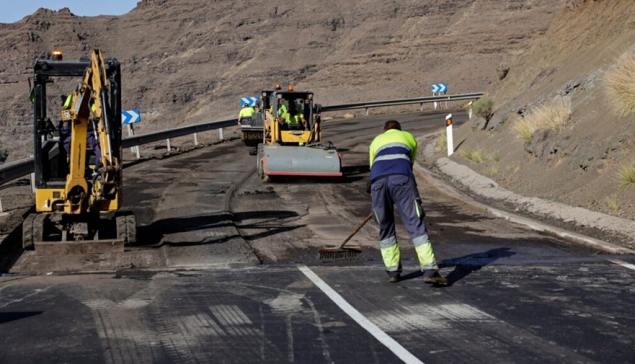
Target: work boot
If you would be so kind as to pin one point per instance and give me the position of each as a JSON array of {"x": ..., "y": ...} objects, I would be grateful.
[
  {"x": 394, "y": 277},
  {"x": 432, "y": 276}
]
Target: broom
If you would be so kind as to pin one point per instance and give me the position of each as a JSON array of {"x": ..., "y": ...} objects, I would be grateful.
[{"x": 341, "y": 252}]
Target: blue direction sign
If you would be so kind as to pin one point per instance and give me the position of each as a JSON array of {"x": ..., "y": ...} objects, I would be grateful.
[
  {"x": 439, "y": 87},
  {"x": 251, "y": 101},
  {"x": 130, "y": 116}
]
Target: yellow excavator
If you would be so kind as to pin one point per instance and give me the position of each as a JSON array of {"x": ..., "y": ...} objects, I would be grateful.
[
  {"x": 78, "y": 171},
  {"x": 292, "y": 137}
]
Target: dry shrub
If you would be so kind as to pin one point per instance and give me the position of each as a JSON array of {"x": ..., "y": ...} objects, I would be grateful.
[
  {"x": 555, "y": 115},
  {"x": 477, "y": 155},
  {"x": 612, "y": 204},
  {"x": 626, "y": 175},
  {"x": 442, "y": 141},
  {"x": 619, "y": 85}
]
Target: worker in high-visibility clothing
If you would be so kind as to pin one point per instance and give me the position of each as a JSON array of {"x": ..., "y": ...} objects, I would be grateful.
[
  {"x": 246, "y": 112},
  {"x": 292, "y": 116},
  {"x": 392, "y": 182}
]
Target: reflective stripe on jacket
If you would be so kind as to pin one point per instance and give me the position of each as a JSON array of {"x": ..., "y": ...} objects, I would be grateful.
[{"x": 392, "y": 152}]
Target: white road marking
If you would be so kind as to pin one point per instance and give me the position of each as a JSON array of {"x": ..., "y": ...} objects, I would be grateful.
[
  {"x": 623, "y": 264},
  {"x": 380, "y": 335}
]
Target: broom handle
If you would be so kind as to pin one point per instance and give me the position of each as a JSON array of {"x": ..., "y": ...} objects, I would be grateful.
[{"x": 356, "y": 230}]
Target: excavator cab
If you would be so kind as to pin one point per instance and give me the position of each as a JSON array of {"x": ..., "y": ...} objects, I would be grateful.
[
  {"x": 77, "y": 192},
  {"x": 292, "y": 136}
]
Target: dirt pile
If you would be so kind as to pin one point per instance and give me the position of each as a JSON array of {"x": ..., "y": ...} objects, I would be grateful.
[
  {"x": 189, "y": 61},
  {"x": 580, "y": 161}
]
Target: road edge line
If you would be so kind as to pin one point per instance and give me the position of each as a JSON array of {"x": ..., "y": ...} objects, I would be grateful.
[
  {"x": 623, "y": 264},
  {"x": 364, "y": 322}
]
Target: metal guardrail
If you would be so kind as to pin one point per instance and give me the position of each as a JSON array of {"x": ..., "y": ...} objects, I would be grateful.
[
  {"x": 14, "y": 170},
  {"x": 393, "y": 102},
  {"x": 17, "y": 169}
]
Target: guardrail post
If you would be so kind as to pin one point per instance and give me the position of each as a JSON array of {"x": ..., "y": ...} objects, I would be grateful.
[
  {"x": 195, "y": 139},
  {"x": 220, "y": 133},
  {"x": 169, "y": 147},
  {"x": 134, "y": 149},
  {"x": 1, "y": 210},
  {"x": 469, "y": 110},
  {"x": 367, "y": 111},
  {"x": 448, "y": 129},
  {"x": 421, "y": 106}
]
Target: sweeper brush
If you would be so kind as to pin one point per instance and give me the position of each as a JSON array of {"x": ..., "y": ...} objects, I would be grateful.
[{"x": 341, "y": 252}]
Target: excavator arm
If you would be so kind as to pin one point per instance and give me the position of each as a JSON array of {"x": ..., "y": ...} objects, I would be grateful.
[{"x": 90, "y": 104}]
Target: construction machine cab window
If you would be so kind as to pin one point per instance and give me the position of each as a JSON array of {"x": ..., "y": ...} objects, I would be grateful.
[{"x": 292, "y": 111}]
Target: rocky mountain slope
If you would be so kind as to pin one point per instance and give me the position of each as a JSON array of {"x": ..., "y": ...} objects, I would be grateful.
[
  {"x": 189, "y": 61},
  {"x": 581, "y": 162}
]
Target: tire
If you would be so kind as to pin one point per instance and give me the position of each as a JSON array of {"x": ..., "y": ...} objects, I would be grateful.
[
  {"x": 27, "y": 232},
  {"x": 33, "y": 230},
  {"x": 126, "y": 225}
]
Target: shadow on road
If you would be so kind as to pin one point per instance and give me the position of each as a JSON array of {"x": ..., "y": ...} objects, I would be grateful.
[
  {"x": 13, "y": 316},
  {"x": 465, "y": 265}
]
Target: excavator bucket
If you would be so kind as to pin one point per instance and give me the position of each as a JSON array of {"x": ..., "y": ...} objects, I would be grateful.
[{"x": 280, "y": 160}]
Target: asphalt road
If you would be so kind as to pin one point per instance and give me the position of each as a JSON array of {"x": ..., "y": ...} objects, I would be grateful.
[{"x": 231, "y": 274}]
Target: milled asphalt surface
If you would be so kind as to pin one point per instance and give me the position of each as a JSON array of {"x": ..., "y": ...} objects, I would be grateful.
[{"x": 516, "y": 295}]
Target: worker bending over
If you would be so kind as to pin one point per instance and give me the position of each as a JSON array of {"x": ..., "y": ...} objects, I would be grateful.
[{"x": 392, "y": 182}]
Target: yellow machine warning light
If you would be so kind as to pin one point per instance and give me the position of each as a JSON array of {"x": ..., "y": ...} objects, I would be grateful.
[
  {"x": 56, "y": 55},
  {"x": 278, "y": 87},
  {"x": 290, "y": 88}
]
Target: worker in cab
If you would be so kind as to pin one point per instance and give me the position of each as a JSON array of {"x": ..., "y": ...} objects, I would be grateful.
[
  {"x": 292, "y": 117},
  {"x": 92, "y": 141},
  {"x": 246, "y": 112}
]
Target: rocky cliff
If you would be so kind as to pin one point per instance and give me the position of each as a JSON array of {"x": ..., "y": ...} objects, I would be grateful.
[{"x": 189, "y": 61}]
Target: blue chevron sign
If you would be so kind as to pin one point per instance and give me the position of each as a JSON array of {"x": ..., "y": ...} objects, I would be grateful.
[
  {"x": 251, "y": 101},
  {"x": 130, "y": 116},
  {"x": 439, "y": 87}
]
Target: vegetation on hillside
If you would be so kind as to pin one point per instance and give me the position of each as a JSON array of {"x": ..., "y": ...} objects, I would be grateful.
[
  {"x": 554, "y": 115},
  {"x": 619, "y": 85},
  {"x": 484, "y": 107}
]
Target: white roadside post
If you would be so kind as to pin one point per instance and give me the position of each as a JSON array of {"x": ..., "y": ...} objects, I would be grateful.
[
  {"x": 469, "y": 110},
  {"x": 220, "y": 133},
  {"x": 168, "y": 144},
  {"x": 1, "y": 211},
  {"x": 448, "y": 129},
  {"x": 195, "y": 139},
  {"x": 128, "y": 118},
  {"x": 435, "y": 103}
]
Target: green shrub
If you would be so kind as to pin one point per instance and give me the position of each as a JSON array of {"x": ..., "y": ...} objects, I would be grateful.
[{"x": 484, "y": 107}]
